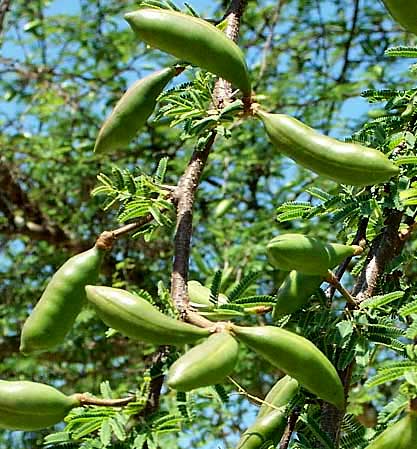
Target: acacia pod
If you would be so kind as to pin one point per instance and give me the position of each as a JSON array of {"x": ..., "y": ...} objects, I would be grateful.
[
  {"x": 132, "y": 111},
  {"x": 32, "y": 406},
  {"x": 279, "y": 395},
  {"x": 401, "y": 435},
  {"x": 193, "y": 40},
  {"x": 221, "y": 314},
  {"x": 307, "y": 254},
  {"x": 297, "y": 357},
  {"x": 136, "y": 318},
  {"x": 404, "y": 12},
  {"x": 208, "y": 363},
  {"x": 295, "y": 292},
  {"x": 200, "y": 295},
  {"x": 271, "y": 422},
  {"x": 61, "y": 302},
  {"x": 269, "y": 428},
  {"x": 347, "y": 163},
  {"x": 223, "y": 207}
]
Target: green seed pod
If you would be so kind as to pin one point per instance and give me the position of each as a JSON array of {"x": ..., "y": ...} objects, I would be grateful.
[
  {"x": 404, "y": 12},
  {"x": 297, "y": 357},
  {"x": 223, "y": 207},
  {"x": 193, "y": 40},
  {"x": 279, "y": 395},
  {"x": 221, "y": 314},
  {"x": 269, "y": 428},
  {"x": 401, "y": 435},
  {"x": 294, "y": 293},
  {"x": 208, "y": 363},
  {"x": 32, "y": 406},
  {"x": 138, "y": 319},
  {"x": 61, "y": 302},
  {"x": 307, "y": 254},
  {"x": 271, "y": 422},
  {"x": 346, "y": 163},
  {"x": 132, "y": 111},
  {"x": 200, "y": 295}
]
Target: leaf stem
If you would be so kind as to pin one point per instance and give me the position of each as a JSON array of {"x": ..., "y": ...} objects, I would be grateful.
[
  {"x": 85, "y": 399},
  {"x": 334, "y": 281}
]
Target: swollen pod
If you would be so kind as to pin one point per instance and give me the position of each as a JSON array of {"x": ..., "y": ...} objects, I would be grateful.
[
  {"x": 295, "y": 292},
  {"x": 401, "y": 435},
  {"x": 347, "y": 163},
  {"x": 61, "y": 302},
  {"x": 297, "y": 357},
  {"x": 306, "y": 254},
  {"x": 404, "y": 12},
  {"x": 136, "y": 318},
  {"x": 200, "y": 295},
  {"x": 208, "y": 363},
  {"x": 269, "y": 428},
  {"x": 132, "y": 111},
  {"x": 32, "y": 406},
  {"x": 279, "y": 395},
  {"x": 193, "y": 40},
  {"x": 271, "y": 422}
]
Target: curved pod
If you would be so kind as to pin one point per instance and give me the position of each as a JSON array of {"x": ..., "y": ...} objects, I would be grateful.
[
  {"x": 200, "y": 295},
  {"x": 61, "y": 302},
  {"x": 295, "y": 292},
  {"x": 193, "y": 40},
  {"x": 221, "y": 314},
  {"x": 346, "y": 163},
  {"x": 297, "y": 357},
  {"x": 401, "y": 435},
  {"x": 32, "y": 406},
  {"x": 279, "y": 395},
  {"x": 269, "y": 428},
  {"x": 136, "y": 318},
  {"x": 307, "y": 254},
  {"x": 404, "y": 12},
  {"x": 208, "y": 363},
  {"x": 132, "y": 111},
  {"x": 271, "y": 422}
]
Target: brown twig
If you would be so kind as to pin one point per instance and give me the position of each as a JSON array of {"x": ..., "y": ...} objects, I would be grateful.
[
  {"x": 292, "y": 421},
  {"x": 335, "y": 283},
  {"x": 4, "y": 7},
  {"x": 386, "y": 246},
  {"x": 188, "y": 184},
  {"x": 270, "y": 39},
  {"x": 359, "y": 237},
  {"x": 85, "y": 399},
  {"x": 24, "y": 215},
  {"x": 223, "y": 89},
  {"x": 185, "y": 195}
]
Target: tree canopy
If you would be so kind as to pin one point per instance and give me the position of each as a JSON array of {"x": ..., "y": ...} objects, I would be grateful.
[{"x": 342, "y": 68}]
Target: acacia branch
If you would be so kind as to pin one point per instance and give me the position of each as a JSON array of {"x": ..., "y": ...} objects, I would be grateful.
[
  {"x": 24, "y": 215},
  {"x": 292, "y": 421},
  {"x": 183, "y": 197},
  {"x": 85, "y": 399},
  {"x": 385, "y": 247},
  {"x": 358, "y": 239},
  {"x": 4, "y": 7},
  {"x": 188, "y": 184}
]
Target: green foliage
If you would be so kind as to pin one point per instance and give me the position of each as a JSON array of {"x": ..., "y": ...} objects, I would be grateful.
[
  {"x": 190, "y": 105},
  {"x": 137, "y": 197},
  {"x": 353, "y": 434},
  {"x": 56, "y": 90}
]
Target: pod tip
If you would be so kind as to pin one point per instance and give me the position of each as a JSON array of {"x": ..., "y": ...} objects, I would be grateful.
[{"x": 23, "y": 349}]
